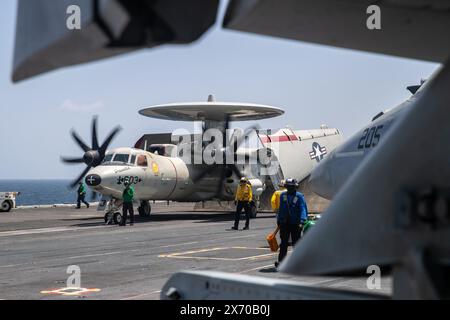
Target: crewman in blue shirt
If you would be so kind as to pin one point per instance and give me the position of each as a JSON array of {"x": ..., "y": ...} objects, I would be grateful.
[{"x": 292, "y": 214}]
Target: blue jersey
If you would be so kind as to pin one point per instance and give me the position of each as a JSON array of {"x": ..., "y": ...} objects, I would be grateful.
[{"x": 297, "y": 212}]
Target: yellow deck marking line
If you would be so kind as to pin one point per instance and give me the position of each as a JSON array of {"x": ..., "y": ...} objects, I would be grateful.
[
  {"x": 126, "y": 251},
  {"x": 188, "y": 254},
  {"x": 97, "y": 254},
  {"x": 211, "y": 249},
  {"x": 260, "y": 257},
  {"x": 261, "y": 267},
  {"x": 204, "y": 250},
  {"x": 171, "y": 255},
  {"x": 120, "y": 252}
]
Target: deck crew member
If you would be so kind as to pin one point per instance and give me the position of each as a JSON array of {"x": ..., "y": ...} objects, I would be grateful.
[
  {"x": 291, "y": 216},
  {"x": 81, "y": 195},
  {"x": 127, "y": 207},
  {"x": 243, "y": 198},
  {"x": 275, "y": 200}
]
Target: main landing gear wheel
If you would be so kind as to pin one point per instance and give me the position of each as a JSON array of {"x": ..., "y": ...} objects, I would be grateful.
[
  {"x": 5, "y": 206},
  {"x": 117, "y": 218},
  {"x": 145, "y": 209}
]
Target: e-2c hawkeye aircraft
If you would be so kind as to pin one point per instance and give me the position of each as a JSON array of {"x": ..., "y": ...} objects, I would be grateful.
[{"x": 187, "y": 167}]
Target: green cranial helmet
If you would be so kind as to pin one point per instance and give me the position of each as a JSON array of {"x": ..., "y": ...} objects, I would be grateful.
[{"x": 308, "y": 224}]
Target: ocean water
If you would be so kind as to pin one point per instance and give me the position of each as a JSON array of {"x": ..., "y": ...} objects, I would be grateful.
[{"x": 39, "y": 192}]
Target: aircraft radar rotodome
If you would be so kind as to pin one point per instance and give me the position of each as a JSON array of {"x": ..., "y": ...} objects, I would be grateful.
[{"x": 211, "y": 111}]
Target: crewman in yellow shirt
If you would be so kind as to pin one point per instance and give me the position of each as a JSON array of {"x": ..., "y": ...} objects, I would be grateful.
[
  {"x": 243, "y": 198},
  {"x": 275, "y": 200}
]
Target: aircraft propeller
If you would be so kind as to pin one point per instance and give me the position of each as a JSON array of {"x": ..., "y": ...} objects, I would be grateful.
[
  {"x": 226, "y": 169},
  {"x": 92, "y": 156}
]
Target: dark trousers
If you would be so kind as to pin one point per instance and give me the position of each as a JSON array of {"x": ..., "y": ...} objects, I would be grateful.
[
  {"x": 242, "y": 205},
  {"x": 127, "y": 207},
  {"x": 81, "y": 199},
  {"x": 286, "y": 230}
]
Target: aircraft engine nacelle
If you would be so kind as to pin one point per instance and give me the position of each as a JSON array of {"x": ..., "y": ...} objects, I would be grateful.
[{"x": 167, "y": 178}]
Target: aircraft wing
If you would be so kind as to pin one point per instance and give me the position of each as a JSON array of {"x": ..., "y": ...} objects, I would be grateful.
[
  {"x": 417, "y": 29},
  {"x": 107, "y": 28}
]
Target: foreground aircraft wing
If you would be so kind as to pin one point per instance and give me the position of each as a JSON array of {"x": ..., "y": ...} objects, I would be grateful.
[
  {"x": 417, "y": 29},
  {"x": 44, "y": 41}
]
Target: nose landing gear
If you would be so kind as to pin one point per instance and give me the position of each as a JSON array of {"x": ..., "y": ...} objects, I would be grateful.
[{"x": 113, "y": 213}]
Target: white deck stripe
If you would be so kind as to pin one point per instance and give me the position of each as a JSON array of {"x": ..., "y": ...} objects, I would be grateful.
[{"x": 46, "y": 230}]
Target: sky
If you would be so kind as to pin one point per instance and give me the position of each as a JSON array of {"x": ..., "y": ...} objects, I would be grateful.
[{"x": 314, "y": 84}]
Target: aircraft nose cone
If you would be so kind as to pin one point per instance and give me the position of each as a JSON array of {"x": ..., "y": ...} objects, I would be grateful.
[{"x": 93, "y": 180}]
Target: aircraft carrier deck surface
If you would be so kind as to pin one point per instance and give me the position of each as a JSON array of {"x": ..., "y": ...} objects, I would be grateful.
[{"x": 37, "y": 246}]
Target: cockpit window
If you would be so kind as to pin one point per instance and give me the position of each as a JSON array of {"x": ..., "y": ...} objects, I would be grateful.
[
  {"x": 157, "y": 150},
  {"x": 142, "y": 160},
  {"x": 121, "y": 157},
  {"x": 107, "y": 158}
]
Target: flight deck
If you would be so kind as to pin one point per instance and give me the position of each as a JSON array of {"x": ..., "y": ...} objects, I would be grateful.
[{"x": 38, "y": 245}]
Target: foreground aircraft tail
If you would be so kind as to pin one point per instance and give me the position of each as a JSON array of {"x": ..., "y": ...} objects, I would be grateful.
[{"x": 402, "y": 215}]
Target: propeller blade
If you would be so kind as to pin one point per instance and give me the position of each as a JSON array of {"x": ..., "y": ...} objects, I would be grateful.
[
  {"x": 220, "y": 184},
  {"x": 78, "y": 179},
  {"x": 247, "y": 131},
  {"x": 108, "y": 140},
  {"x": 236, "y": 171},
  {"x": 72, "y": 160},
  {"x": 224, "y": 137},
  {"x": 205, "y": 172},
  {"x": 94, "y": 195},
  {"x": 94, "y": 133},
  {"x": 78, "y": 140},
  {"x": 235, "y": 146},
  {"x": 226, "y": 127}
]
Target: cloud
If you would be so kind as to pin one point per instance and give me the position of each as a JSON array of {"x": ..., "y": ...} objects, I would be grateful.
[{"x": 74, "y": 106}]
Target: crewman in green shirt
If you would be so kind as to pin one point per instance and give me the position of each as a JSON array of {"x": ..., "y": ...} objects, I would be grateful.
[
  {"x": 81, "y": 195},
  {"x": 127, "y": 207}
]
